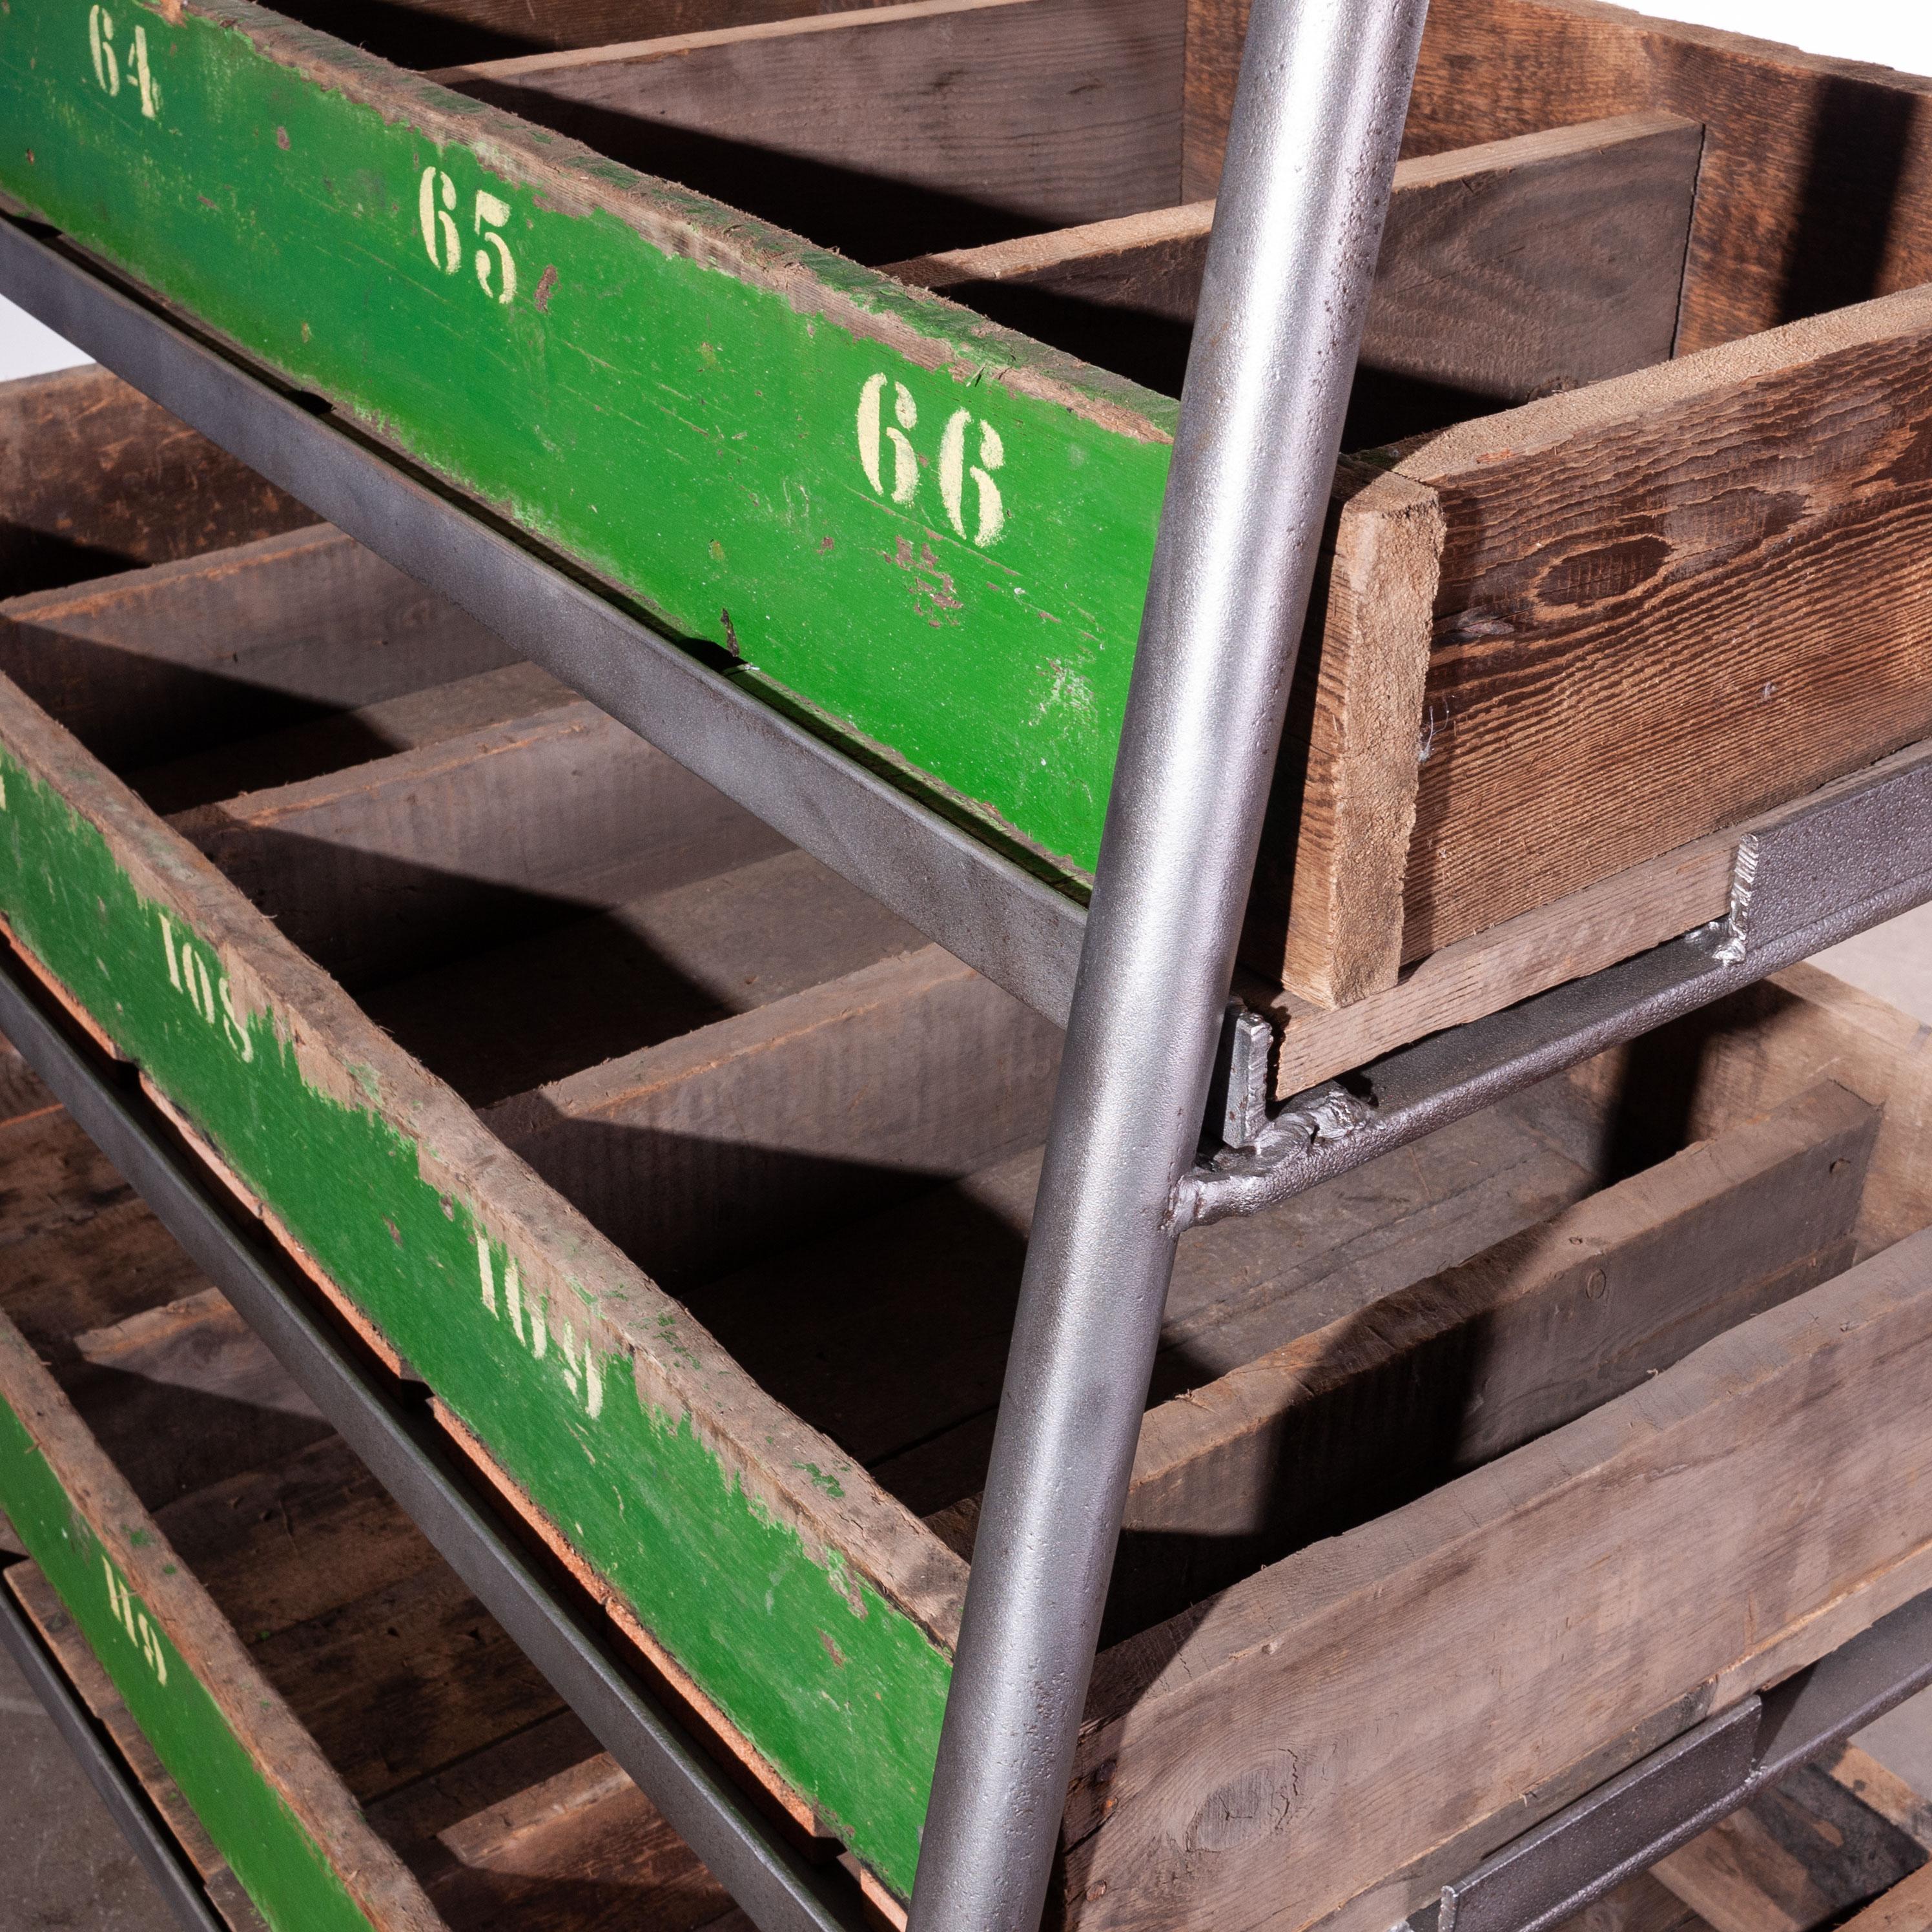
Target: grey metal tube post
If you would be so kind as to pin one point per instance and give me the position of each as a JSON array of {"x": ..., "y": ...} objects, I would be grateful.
[{"x": 1317, "y": 122}]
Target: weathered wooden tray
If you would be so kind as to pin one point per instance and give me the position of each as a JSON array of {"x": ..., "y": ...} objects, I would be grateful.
[
  {"x": 1647, "y": 599},
  {"x": 234, "y": 1598},
  {"x": 695, "y": 1188}
]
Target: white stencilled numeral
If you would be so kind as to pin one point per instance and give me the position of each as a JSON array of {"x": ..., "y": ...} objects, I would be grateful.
[
  {"x": 111, "y": 66},
  {"x": 524, "y": 1314},
  {"x": 496, "y": 267},
  {"x": 134, "y": 1620},
  {"x": 956, "y": 475},
  {"x": 208, "y": 994}
]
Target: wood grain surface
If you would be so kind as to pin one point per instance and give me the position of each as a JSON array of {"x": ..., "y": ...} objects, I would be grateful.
[{"x": 887, "y": 130}]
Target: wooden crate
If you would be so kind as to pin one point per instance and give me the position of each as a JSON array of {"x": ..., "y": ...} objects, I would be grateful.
[
  {"x": 695, "y": 1187},
  {"x": 336, "y": 1734},
  {"x": 1646, "y": 363}
]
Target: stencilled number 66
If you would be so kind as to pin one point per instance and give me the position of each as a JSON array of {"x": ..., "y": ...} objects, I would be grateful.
[
  {"x": 957, "y": 477},
  {"x": 435, "y": 209}
]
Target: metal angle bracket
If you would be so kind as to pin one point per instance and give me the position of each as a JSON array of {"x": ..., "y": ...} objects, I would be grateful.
[
  {"x": 1804, "y": 879},
  {"x": 1666, "y": 1799}
]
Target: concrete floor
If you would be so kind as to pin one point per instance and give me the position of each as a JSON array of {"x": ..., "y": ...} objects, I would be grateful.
[{"x": 66, "y": 1866}]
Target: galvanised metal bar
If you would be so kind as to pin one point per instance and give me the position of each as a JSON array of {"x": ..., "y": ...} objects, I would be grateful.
[
  {"x": 127, "y": 1805},
  {"x": 978, "y": 903},
  {"x": 1663, "y": 1801},
  {"x": 1317, "y": 121},
  {"x": 1823, "y": 872},
  {"x": 772, "y": 1883}
]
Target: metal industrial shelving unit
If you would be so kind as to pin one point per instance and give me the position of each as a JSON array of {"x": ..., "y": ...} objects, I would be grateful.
[{"x": 1141, "y": 980}]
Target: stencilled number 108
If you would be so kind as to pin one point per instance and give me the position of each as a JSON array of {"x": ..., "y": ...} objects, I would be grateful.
[
  {"x": 112, "y": 65},
  {"x": 436, "y": 212}
]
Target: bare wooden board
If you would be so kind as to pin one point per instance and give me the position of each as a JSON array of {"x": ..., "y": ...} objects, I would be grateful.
[
  {"x": 1817, "y": 172},
  {"x": 94, "y": 478},
  {"x": 1907, "y": 1907},
  {"x": 1271, "y": 1756},
  {"x": 1370, "y": 1411},
  {"x": 338, "y": 739},
  {"x": 635, "y": 976},
  {"x": 1797, "y": 1857},
  {"x": 1583, "y": 655},
  {"x": 160, "y": 662},
  {"x": 887, "y": 130},
  {"x": 861, "y": 1089},
  {"x": 394, "y": 865},
  {"x": 1507, "y": 270}
]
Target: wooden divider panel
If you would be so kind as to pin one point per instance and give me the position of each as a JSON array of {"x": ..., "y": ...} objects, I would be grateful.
[
  {"x": 1817, "y": 180},
  {"x": 434, "y": 33},
  {"x": 890, "y": 129},
  {"x": 1506, "y": 271},
  {"x": 389, "y": 867},
  {"x": 94, "y": 478},
  {"x": 752, "y": 1133},
  {"x": 166, "y": 661}
]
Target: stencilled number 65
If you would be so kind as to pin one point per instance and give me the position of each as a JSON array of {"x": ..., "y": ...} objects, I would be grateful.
[{"x": 435, "y": 209}]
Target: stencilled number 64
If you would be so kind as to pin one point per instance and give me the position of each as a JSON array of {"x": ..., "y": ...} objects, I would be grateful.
[
  {"x": 435, "y": 209},
  {"x": 877, "y": 437}
]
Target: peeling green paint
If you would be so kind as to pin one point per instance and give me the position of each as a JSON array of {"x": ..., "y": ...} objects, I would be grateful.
[
  {"x": 281, "y": 1867},
  {"x": 732, "y": 1593},
  {"x": 927, "y": 531}
]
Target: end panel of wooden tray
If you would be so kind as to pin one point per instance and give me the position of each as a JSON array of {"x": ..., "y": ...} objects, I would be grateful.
[
  {"x": 811, "y": 1610},
  {"x": 935, "y": 533},
  {"x": 1327, "y": 1740},
  {"x": 268, "y": 1801}
]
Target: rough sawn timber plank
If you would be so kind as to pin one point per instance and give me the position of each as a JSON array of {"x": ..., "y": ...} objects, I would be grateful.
[
  {"x": 1370, "y": 1410},
  {"x": 1599, "y": 684},
  {"x": 1270, "y": 1756}
]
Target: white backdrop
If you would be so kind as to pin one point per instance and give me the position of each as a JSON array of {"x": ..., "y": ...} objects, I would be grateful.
[{"x": 1897, "y": 32}]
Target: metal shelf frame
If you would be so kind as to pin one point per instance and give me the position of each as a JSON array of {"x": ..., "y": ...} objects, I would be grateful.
[{"x": 1141, "y": 980}]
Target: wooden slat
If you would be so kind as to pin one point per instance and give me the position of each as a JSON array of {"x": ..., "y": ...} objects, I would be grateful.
[
  {"x": 1797, "y": 1856},
  {"x": 1907, "y": 1907},
  {"x": 1600, "y": 686},
  {"x": 161, "y": 662},
  {"x": 338, "y": 739},
  {"x": 1367, "y": 1412},
  {"x": 698, "y": 1154},
  {"x": 636, "y": 975},
  {"x": 395, "y": 865},
  {"x": 1374, "y": 1698},
  {"x": 1507, "y": 269},
  {"x": 95, "y": 478},
  {"x": 436, "y": 33},
  {"x": 886, "y": 130},
  {"x": 1817, "y": 172},
  {"x": 935, "y": 1280}
]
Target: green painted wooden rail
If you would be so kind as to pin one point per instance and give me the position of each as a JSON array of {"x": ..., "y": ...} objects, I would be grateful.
[{"x": 930, "y": 534}]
